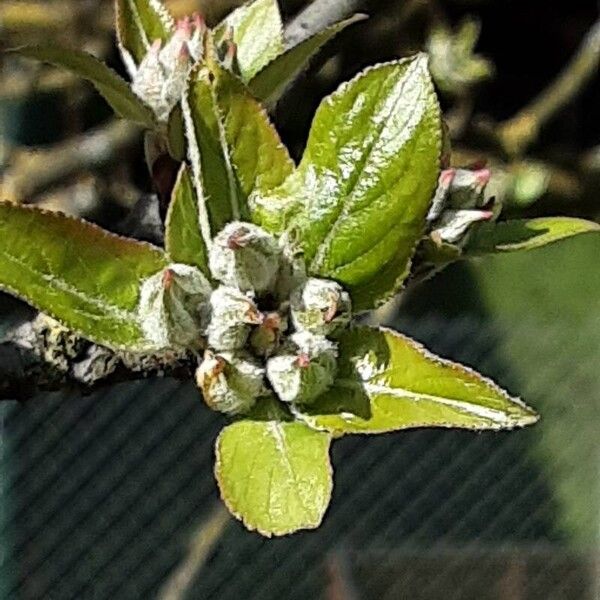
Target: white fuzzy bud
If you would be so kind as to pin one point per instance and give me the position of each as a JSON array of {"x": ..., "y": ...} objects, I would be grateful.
[
  {"x": 305, "y": 370},
  {"x": 232, "y": 316},
  {"x": 174, "y": 307},
  {"x": 246, "y": 257},
  {"x": 230, "y": 383},
  {"x": 321, "y": 306},
  {"x": 454, "y": 225}
]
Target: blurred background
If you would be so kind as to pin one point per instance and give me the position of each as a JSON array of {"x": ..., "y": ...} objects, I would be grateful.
[{"x": 112, "y": 496}]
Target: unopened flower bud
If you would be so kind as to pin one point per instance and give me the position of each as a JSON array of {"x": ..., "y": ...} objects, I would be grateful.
[
  {"x": 467, "y": 188},
  {"x": 232, "y": 316},
  {"x": 321, "y": 306},
  {"x": 174, "y": 307},
  {"x": 246, "y": 257},
  {"x": 150, "y": 79},
  {"x": 304, "y": 371},
  {"x": 440, "y": 198},
  {"x": 266, "y": 337},
  {"x": 453, "y": 225},
  {"x": 230, "y": 384}
]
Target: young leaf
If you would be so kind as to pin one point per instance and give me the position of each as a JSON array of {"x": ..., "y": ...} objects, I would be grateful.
[
  {"x": 139, "y": 23},
  {"x": 274, "y": 476},
  {"x": 234, "y": 149},
  {"x": 270, "y": 82},
  {"x": 81, "y": 275},
  {"x": 258, "y": 34},
  {"x": 115, "y": 90},
  {"x": 388, "y": 382},
  {"x": 183, "y": 233},
  {"x": 367, "y": 179},
  {"x": 525, "y": 234}
]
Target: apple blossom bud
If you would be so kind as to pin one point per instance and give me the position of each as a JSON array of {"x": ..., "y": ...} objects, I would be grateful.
[
  {"x": 305, "y": 370},
  {"x": 232, "y": 315},
  {"x": 321, "y": 306},
  {"x": 440, "y": 198},
  {"x": 150, "y": 79},
  {"x": 266, "y": 337},
  {"x": 453, "y": 225},
  {"x": 230, "y": 383},
  {"x": 246, "y": 257},
  {"x": 174, "y": 307},
  {"x": 467, "y": 188}
]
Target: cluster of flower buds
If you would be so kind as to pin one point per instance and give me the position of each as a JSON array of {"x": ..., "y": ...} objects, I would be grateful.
[
  {"x": 161, "y": 77},
  {"x": 258, "y": 340},
  {"x": 459, "y": 202}
]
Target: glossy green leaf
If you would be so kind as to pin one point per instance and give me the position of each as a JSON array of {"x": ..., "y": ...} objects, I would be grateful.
[
  {"x": 258, "y": 34},
  {"x": 139, "y": 23},
  {"x": 525, "y": 234},
  {"x": 274, "y": 476},
  {"x": 115, "y": 90},
  {"x": 233, "y": 148},
  {"x": 269, "y": 83},
  {"x": 388, "y": 382},
  {"x": 183, "y": 235},
  {"x": 81, "y": 275},
  {"x": 367, "y": 179}
]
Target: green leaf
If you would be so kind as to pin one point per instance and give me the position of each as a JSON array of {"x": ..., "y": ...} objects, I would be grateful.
[
  {"x": 270, "y": 83},
  {"x": 367, "y": 179},
  {"x": 77, "y": 273},
  {"x": 274, "y": 476},
  {"x": 139, "y": 23},
  {"x": 525, "y": 234},
  {"x": 258, "y": 34},
  {"x": 183, "y": 235},
  {"x": 233, "y": 148},
  {"x": 387, "y": 382},
  {"x": 115, "y": 90}
]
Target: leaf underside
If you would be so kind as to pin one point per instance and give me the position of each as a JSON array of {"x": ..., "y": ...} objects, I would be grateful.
[
  {"x": 274, "y": 476},
  {"x": 388, "y": 382},
  {"x": 83, "y": 276}
]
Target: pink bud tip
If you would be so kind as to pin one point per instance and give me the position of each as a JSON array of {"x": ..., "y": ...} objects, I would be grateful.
[
  {"x": 486, "y": 215},
  {"x": 184, "y": 53},
  {"x": 483, "y": 177},
  {"x": 447, "y": 177},
  {"x": 272, "y": 321},
  {"x": 303, "y": 361},
  {"x": 184, "y": 26},
  {"x": 237, "y": 240},
  {"x": 231, "y": 50},
  {"x": 167, "y": 278},
  {"x": 199, "y": 21},
  {"x": 155, "y": 47}
]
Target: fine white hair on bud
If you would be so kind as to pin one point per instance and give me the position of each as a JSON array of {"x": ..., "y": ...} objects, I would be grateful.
[
  {"x": 174, "y": 307},
  {"x": 246, "y": 257},
  {"x": 305, "y": 370},
  {"x": 467, "y": 188},
  {"x": 454, "y": 225},
  {"x": 233, "y": 314},
  {"x": 230, "y": 383},
  {"x": 321, "y": 306}
]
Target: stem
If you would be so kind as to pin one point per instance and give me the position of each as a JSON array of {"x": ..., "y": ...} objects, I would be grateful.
[
  {"x": 317, "y": 16},
  {"x": 520, "y": 131}
]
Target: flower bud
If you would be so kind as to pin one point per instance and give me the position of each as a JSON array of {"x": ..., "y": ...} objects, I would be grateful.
[
  {"x": 266, "y": 337},
  {"x": 174, "y": 307},
  {"x": 150, "y": 79},
  {"x": 321, "y": 306},
  {"x": 440, "y": 198},
  {"x": 232, "y": 316},
  {"x": 468, "y": 187},
  {"x": 453, "y": 225},
  {"x": 305, "y": 370},
  {"x": 230, "y": 383},
  {"x": 246, "y": 257}
]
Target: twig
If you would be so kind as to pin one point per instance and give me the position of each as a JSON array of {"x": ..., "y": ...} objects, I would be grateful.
[
  {"x": 520, "y": 131},
  {"x": 202, "y": 543},
  {"x": 32, "y": 172},
  {"x": 318, "y": 15}
]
